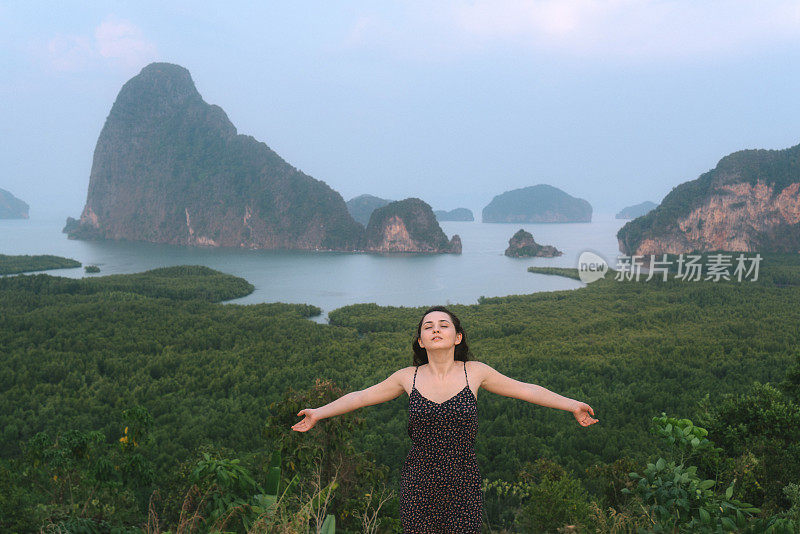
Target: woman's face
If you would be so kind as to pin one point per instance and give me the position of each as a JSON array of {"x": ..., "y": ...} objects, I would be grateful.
[{"x": 438, "y": 331}]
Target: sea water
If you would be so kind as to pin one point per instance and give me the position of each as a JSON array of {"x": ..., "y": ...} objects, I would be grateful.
[{"x": 334, "y": 279}]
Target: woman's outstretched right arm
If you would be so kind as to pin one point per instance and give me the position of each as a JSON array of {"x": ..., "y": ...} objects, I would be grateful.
[{"x": 389, "y": 389}]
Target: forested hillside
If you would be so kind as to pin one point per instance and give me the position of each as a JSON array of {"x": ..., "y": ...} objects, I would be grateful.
[{"x": 158, "y": 360}]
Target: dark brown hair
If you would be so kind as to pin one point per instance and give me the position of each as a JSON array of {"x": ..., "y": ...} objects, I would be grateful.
[{"x": 462, "y": 352}]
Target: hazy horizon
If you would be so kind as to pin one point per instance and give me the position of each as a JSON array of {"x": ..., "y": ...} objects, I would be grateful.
[{"x": 454, "y": 103}]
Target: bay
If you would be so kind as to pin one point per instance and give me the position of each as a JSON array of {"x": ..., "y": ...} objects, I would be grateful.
[{"x": 334, "y": 279}]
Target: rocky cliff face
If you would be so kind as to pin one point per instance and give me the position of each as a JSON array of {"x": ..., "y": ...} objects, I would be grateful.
[
  {"x": 170, "y": 168},
  {"x": 522, "y": 245},
  {"x": 748, "y": 203},
  {"x": 537, "y": 204},
  {"x": 408, "y": 226},
  {"x": 11, "y": 207}
]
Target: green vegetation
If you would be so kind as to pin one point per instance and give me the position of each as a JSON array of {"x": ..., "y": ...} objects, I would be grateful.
[
  {"x": 25, "y": 264},
  {"x": 92, "y": 269},
  {"x": 567, "y": 272},
  {"x": 209, "y": 391},
  {"x": 183, "y": 282}
]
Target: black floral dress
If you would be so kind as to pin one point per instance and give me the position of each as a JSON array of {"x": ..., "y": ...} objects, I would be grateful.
[{"x": 440, "y": 483}]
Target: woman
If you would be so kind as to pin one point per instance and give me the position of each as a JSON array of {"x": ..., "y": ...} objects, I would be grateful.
[{"x": 440, "y": 483}]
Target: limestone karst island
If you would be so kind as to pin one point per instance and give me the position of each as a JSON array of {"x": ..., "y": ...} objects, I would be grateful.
[
  {"x": 749, "y": 202},
  {"x": 537, "y": 204},
  {"x": 458, "y": 214},
  {"x": 11, "y": 207},
  {"x": 362, "y": 206},
  {"x": 170, "y": 168},
  {"x": 637, "y": 210},
  {"x": 523, "y": 245}
]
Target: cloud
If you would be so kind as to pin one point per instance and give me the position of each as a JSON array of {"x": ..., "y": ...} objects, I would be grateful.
[
  {"x": 587, "y": 28},
  {"x": 120, "y": 40},
  {"x": 114, "y": 41}
]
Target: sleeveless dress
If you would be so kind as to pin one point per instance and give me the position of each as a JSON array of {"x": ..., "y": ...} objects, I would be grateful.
[{"x": 440, "y": 482}]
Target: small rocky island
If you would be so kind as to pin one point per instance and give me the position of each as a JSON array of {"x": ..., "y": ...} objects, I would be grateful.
[
  {"x": 458, "y": 214},
  {"x": 522, "y": 245},
  {"x": 637, "y": 210},
  {"x": 749, "y": 203},
  {"x": 362, "y": 206},
  {"x": 537, "y": 204},
  {"x": 11, "y": 207},
  {"x": 408, "y": 226}
]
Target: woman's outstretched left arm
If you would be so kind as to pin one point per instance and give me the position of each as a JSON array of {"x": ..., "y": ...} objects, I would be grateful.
[{"x": 497, "y": 382}]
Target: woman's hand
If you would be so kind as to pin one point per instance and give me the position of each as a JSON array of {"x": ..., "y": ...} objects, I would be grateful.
[
  {"x": 309, "y": 421},
  {"x": 581, "y": 413}
]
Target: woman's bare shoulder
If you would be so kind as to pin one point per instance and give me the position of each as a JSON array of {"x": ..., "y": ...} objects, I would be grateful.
[
  {"x": 404, "y": 373},
  {"x": 406, "y": 377},
  {"x": 478, "y": 370}
]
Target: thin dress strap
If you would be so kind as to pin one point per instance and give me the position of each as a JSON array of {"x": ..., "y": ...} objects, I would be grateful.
[
  {"x": 465, "y": 372},
  {"x": 415, "y": 377}
]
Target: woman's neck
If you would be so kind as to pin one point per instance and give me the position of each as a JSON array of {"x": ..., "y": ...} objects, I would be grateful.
[{"x": 440, "y": 366}]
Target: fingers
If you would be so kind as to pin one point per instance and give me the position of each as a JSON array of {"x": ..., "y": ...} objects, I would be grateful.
[
  {"x": 305, "y": 424},
  {"x": 300, "y": 427},
  {"x": 584, "y": 419},
  {"x": 297, "y": 425}
]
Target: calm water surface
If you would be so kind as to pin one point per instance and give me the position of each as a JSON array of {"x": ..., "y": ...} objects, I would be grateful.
[{"x": 334, "y": 279}]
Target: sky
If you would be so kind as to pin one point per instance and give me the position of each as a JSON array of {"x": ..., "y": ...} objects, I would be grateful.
[{"x": 614, "y": 101}]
